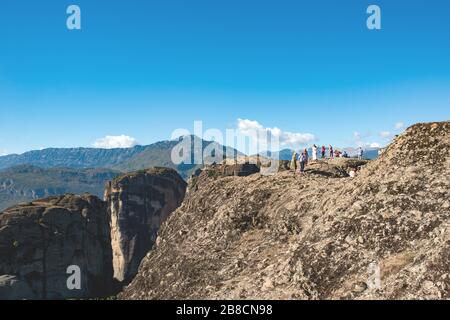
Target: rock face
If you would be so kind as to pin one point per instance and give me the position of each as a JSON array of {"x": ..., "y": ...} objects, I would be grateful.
[
  {"x": 138, "y": 203},
  {"x": 41, "y": 239},
  {"x": 384, "y": 234}
]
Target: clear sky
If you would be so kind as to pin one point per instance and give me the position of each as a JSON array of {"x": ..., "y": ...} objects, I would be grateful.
[{"x": 145, "y": 68}]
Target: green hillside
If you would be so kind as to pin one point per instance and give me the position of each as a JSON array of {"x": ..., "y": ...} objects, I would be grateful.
[{"x": 25, "y": 182}]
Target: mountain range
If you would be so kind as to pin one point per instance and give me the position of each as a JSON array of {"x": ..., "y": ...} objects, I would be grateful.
[
  {"x": 121, "y": 159},
  {"x": 54, "y": 171}
]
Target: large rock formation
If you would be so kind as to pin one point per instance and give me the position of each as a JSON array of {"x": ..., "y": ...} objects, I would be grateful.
[
  {"x": 138, "y": 204},
  {"x": 41, "y": 239},
  {"x": 384, "y": 234}
]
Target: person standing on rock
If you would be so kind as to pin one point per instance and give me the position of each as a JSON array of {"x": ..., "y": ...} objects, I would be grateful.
[
  {"x": 314, "y": 152},
  {"x": 360, "y": 153},
  {"x": 303, "y": 160},
  {"x": 294, "y": 162},
  {"x": 331, "y": 152},
  {"x": 323, "y": 152},
  {"x": 337, "y": 154}
]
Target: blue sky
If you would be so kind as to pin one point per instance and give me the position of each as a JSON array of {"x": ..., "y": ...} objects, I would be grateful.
[{"x": 145, "y": 68}]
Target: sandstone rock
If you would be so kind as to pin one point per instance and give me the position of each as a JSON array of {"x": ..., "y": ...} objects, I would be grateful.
[
  {"x": 228, "y": 169},
  {"x": 240, "y": 170},
  {"x": 41, "y": 239},
  {"x": 225, "y": 170},
  {"x": 138, "y": 203},
  {"x": 292, "y": 229}
]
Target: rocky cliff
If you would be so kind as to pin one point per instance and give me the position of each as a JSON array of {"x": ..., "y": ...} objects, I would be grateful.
[
  {"x": 41, "y": 239},
  {"x": 138, "y": 203},
  {"x": 384, "y": 234}
]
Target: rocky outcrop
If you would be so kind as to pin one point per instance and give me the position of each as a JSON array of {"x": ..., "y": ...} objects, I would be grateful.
[
  {"x": 41, "y": 239},
  {"x": 240, "y": 170},
  {"x": 335, "y": 168},
  {"x": 384, "y": 234},
  {"x": 138, "y": 203},
  {"x": 227, "y": 170},
  {"x": 222, "y": 170}
]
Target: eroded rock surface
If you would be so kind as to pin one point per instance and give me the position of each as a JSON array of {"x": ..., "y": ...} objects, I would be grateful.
[
  {"x": 384, "y": 234},
  {"x": 335, "y": 168},
  {"x": 138, "y": 204},
  {"x": 41, "y": 239}
]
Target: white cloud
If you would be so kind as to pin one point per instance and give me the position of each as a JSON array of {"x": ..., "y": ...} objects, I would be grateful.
[
  {"x": 110, "y": 142},
  {"x": 385, "y": 134},
  {"x": 360, "y": 140},
  {"x": 399, "y": 125},
  {"x": 259, "y": 134},
  {"x": 3, "y": 152}
]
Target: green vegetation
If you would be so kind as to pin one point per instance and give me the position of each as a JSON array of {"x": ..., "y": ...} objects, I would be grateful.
[
  {"x": 25, "y": 183},
  {"x": 43, "y": 173}
]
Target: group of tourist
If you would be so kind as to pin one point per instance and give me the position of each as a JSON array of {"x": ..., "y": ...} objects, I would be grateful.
[{"x": 303, "y": 158}]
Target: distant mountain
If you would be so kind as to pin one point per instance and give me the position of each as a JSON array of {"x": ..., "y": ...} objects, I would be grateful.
[
  {"x": 369, "y": 153},
  {"x": 26, "y": 182},
  {"x": 71, "y": 157},
  {"x": 124, "y": 159},
  {"x": 41, "y": 173},
  {"x": 285, "y": 154},
  {"x": 160, "y": 154}
]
